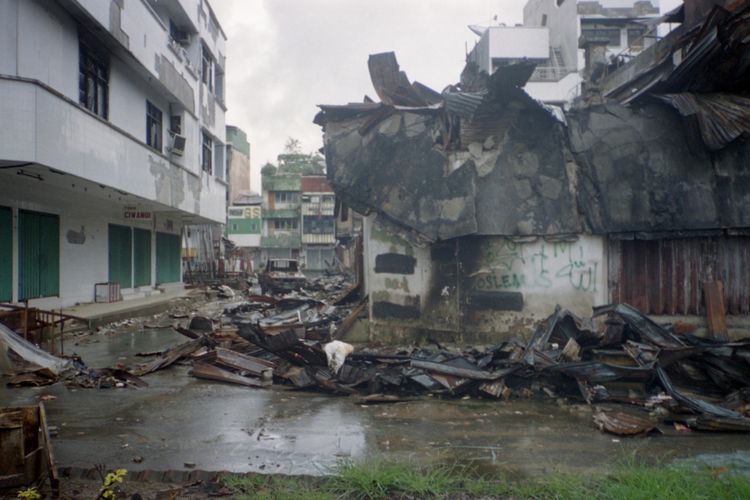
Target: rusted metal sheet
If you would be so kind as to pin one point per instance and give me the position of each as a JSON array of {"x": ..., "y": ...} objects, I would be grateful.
[
  {"x": 623, "y": 424},
  {"x": 720, "y": 118},
  {"x": 713, "y": 292},
  {"x": 665, "y": 276}
]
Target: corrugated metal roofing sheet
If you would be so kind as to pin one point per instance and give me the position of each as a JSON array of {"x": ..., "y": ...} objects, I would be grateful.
[{"x": 721, "y": 118}]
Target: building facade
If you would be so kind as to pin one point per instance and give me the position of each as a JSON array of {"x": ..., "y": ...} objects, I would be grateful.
[
  {"x": 318, "y": 223},
  {"x": 238, "y": 164},
  {"x": 551, "y": 34},
  {"x": 113, "y": 141},
  {"x": 281, "y": 237}
]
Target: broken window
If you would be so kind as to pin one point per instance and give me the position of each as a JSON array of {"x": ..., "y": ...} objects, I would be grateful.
[
  {"x": 153, "y": 126},
  {"x": 93, "y": 82},
  {"x": 207, "y": 147}
]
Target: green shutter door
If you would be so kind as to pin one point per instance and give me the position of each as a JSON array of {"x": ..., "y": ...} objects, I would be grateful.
[
  {"x": 168, "y": 258},
  {"x": 6, "y": 254},
  {"x": 120, "y": 255},
  {"x": 142, "y": 256},
  {"x": 38, "y": 255},
  {"x": 49, "y": 255}
]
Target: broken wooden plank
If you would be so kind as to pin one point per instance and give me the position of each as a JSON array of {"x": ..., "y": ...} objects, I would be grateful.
[
  {"x": 461, "y": 372},
  {"x": 210, "y": 372},
  {"x": 54, "y": 480},
  {"x": 713, "y": 295},
  {"x": 171, "y": 356}
]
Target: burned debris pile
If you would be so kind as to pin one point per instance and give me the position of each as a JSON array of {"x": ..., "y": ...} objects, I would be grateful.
[{"x": 700, "y": 383}]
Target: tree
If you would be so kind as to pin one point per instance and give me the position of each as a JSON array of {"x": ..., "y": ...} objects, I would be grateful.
[
  {"x": 292, "y": 146},
  {"x": 268, "y": 169}
]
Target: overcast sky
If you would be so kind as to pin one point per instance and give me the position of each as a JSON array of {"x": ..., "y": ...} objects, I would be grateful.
[{"x": 286, "y": 56}]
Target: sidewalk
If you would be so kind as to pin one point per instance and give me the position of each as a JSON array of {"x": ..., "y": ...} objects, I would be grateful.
[{"x": 99, "y": 313}]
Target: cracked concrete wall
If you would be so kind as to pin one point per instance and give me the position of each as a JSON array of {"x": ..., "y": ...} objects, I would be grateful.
[
  {"x": 640, "y": 171},
  {"x": 395, "y": 170}
]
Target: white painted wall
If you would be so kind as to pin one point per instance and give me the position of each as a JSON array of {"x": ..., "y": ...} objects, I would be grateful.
[
  {"x": 47, "y": 46},
  {"x": 573, "y": 274},
  {"x": 564, "y": 90},
  {"x": 59, "y": 134},
  {"x": 397, "y": 286},
  {"x": 562, "y": 22},
  {"x": 8, "y": 36},
  {"x": 518, "y": 42}
]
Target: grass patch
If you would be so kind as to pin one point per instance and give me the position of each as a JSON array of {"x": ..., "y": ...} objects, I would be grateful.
[{"x": 381, "y": 479}]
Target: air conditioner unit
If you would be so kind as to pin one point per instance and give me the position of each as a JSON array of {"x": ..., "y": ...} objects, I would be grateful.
[{"x": 178, "y": 144}]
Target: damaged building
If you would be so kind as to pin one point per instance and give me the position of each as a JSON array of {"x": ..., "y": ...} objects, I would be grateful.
[{"x": 486, "y": 208}]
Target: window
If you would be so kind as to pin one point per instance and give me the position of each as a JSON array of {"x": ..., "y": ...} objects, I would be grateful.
[
  {"x": 560, "y": 2},
  {"x": 286, "y": 196},
  {"x": 544, "y": 19},
  {"x": 612, "y": 35},
  {"x": 285, "y": 224},
  {"x": 207, "y": 68},
  {"x": 153, "y": 126},
  {"x": 207, "y": 147},
  {"x": 93, "y": 82},
  {"x": 175, "y": 124}
]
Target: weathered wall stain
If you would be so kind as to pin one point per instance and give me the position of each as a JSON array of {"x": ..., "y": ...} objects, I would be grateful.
[
  {"x": 395, "y": 263},
  {"x": 76, "y": 237}
]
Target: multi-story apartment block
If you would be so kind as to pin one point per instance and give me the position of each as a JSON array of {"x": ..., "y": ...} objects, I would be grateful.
[
  {"x": 318, "y": 222},
  {"x": 112, "y": 141},
  {"x": 551, "y": 35},
  {"x": 281, "y": 236}
]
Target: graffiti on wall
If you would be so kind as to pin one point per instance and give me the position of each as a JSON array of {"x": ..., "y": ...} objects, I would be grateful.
[{"x": 509, "y": 265}]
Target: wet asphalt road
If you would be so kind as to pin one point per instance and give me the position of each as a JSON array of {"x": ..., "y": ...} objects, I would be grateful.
[{"x": 178, "y": 419}]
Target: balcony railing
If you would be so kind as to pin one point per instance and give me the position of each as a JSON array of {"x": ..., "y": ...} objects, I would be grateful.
[{"x": 550, "y": 73}]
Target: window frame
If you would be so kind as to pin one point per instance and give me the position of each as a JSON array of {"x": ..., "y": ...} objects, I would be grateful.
[
  {"x": 207, "y": 153},
  {"x": 154, "y": 126},
  {"x": 93, "y": 81}
]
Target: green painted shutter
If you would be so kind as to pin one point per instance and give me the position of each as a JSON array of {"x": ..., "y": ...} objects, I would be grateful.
[
  {"x": 38, "y": 255},
  {"x": 49, "y": 255},
  {"x": 120, "y": 255},
  {"x": 6, "y": 254},
  {"x": 142, "y": 256},
  {"x": 168, "y": 258}
]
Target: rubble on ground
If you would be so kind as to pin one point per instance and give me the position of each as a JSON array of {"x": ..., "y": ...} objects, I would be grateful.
[{"x": 664, "y": 374}]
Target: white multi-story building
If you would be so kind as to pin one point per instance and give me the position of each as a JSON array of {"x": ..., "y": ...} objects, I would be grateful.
[
  {"x": 551, "y": 34},
  {"x": 112, "y": 140}
]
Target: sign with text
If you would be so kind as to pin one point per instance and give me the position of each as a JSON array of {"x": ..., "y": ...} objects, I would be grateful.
[{"x": 135, "y": 213}]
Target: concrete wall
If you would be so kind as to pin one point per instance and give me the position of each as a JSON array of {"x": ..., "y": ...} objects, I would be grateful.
[
  {"x": 479, "y": 288},
  {"x": 57, "y": 133},
  {"x": 518, "y": 42},
  {"x": 509, "y": 285},
  {"x": 563, "y": 25},
  {"x": 396, "y": 279}
]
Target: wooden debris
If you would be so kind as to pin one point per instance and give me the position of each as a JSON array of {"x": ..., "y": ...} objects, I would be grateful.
[
  {"x": 713, "y": 294},
  {"x": 205, "y": 370},
  {"x": 623, "y": 424}
]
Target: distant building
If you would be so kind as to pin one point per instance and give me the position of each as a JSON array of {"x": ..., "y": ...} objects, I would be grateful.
[
  {"x": 113, "y": 141},
  {"x": 551, "y": 34},
  {"x": 238, "y": 163},
  {"x": 244, "y": 220},
  {"x": 318, "y": 223},
  {"x": 281, "y": 237}
]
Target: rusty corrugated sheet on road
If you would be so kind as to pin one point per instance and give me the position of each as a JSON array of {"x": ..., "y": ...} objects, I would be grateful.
[{"x": 666, "y": 276}]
